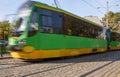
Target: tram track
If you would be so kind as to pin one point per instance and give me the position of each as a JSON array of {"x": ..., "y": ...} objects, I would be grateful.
[
  {"x": 42, "y": 69},
  {"x": 7, "y": 63},
  {"x": 113, "y": 70},
  {"x": 24, "y": 62},
  {"x": 48, "y": 69},
  {"x": 13, "y": 66}
]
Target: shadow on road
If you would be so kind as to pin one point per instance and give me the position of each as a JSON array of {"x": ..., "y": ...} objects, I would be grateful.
[{"x": 107, "y": 56}]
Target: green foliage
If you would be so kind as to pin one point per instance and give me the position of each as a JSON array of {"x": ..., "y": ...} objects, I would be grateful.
[
  {"x": 4, "y": 30},
  {"x": 113, "y": 19}
]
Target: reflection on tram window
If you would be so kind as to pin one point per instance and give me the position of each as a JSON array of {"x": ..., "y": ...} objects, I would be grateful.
[
  {"x": 76, "y": 27},
  {"x": 115, "y": 36},
  {"x": 51, "y": 21},
  {"x": 33, "y": 26}
]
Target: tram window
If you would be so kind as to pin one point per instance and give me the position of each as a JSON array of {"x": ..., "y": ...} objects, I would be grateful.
[
  {"x": 46, "y": 20},
  {"x": 76, "y": 27},
  {"x": 115, "y": 36},
  {"x": 67, "y": 23},
  {"x": 51, "y": 21},
  {"x": 33, "y": 26},
  {"x": 57, "y": 19}
]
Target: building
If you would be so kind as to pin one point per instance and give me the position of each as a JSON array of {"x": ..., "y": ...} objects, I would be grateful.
[{"x": 94, "y": 19}]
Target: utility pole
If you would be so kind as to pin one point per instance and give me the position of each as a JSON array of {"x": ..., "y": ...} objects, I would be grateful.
[
  {"x": 107, "y": 20},
  {"x": 107, "y": 10}
]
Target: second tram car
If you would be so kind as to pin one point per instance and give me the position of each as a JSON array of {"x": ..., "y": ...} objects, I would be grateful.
[{"x": 114, "y": 41}]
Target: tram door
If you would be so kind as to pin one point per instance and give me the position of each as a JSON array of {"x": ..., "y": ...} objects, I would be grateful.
[{"x": 108, "y": 34}]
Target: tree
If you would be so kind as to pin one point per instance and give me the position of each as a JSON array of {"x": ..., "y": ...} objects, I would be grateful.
[
  {"x": 4, "y": 30},
  {"x": 113, "y": 19}
]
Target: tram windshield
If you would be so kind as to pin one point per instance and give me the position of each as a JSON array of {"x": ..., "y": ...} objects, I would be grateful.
[{"x": 19, "y": 24}]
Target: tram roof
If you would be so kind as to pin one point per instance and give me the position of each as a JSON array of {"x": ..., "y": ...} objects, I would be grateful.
[{"x": 46, "y": 6}]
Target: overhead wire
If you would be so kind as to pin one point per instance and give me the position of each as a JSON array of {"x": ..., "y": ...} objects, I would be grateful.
[
  {"x": 116, "y": 1},
  {"x": 100, "y": 4},
  {"x": 116, "y": 6},
  {"x": 92, "y": 6}
]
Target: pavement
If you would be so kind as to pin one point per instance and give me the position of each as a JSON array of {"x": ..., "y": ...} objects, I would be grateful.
[{"x": 5, "y": 55}]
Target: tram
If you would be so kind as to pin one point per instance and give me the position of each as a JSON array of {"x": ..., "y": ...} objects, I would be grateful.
[
  {"x": 114, "y": 43},
  {"x": 41, "y": 31}
]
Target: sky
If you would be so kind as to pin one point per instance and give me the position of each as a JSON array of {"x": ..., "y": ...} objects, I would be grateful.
[{"x": 78, "y": 7}]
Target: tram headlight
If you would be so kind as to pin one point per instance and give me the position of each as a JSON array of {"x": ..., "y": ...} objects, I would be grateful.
[{"x": 22, "y": 42}]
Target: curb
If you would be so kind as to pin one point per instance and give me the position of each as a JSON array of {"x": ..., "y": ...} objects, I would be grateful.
[{"x": 5, "y": 58}]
